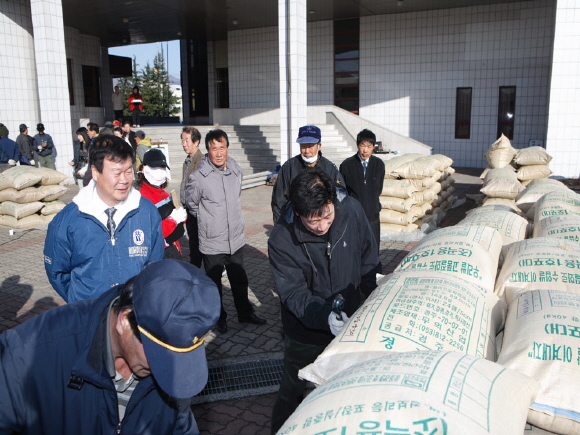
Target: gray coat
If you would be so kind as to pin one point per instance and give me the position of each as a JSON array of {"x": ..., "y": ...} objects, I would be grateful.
[{"x": 213, "y": 195}]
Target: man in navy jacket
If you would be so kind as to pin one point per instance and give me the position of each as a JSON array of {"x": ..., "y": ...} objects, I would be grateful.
[{"x": 128, "y": 362}]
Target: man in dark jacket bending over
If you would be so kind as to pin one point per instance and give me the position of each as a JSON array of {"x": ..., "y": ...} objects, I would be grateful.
[
  {"x": 127, "y": 362},
  {"x": 321, "y": 246}
]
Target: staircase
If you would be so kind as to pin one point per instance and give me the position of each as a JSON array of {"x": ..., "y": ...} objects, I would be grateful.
[{"x": 254, "y": 148}]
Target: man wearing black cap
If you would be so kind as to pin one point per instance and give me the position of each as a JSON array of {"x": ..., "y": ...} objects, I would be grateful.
[
  {"x": 9, "y": 151},
  {"x": 126, "y": 362},
  {"x": 25, "y": 142},
  {"x": 44, "y": 146},
  {"x": 309, "y": 138}
]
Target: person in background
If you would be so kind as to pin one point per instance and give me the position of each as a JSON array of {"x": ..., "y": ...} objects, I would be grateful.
[
  {"x": 118, "y": 102},
  {"x": 108, "y": 233},
  {"x": 320, "y": 248},
  {"x": 93, "y": 132},
  {"x": 80, "y": 161},
  {"x": 364, "y": 175},
  {"x": 118, "y": 131},
  {"x": 9, "y": 150},
  {"x": 151, "y": 181},
  {"x": 190, "y": 138},
  {"x": 107, "y": 129},
  {"x": 143, "y": 145},
  {"x": 309, "y": 138},
  {"x": 44, "y": 147},
  {"x": 129, "y": 135},
  {"x": 136, "y": 106},
  {"x": 127, "y": 362},
  {"x": 213, "y": 195},
  {"x": 26, "y": 144}
]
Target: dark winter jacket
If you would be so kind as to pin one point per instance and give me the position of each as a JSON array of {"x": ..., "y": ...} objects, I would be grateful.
[
  {"x": 289, "y": 171},
  {"x": 310, "y": 272},
  {"x": 53, "y": 380},
  {"x": 366, "y": 188}
]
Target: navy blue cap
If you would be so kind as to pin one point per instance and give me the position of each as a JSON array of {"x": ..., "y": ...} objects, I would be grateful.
[
  {"x": 175, "y": 305},
  {"x": 309, "y": 134},
  {"x": 155, "y": 158}
]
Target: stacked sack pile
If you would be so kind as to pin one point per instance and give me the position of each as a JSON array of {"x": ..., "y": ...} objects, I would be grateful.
[
  {"x": 29, "y": 196},
  {"x": 510, "y": 170},
  {"x": 417, "y": 189},
  {"x": 418, "y": 355}
]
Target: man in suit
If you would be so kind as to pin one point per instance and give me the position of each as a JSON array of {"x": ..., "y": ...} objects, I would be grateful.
[{"x": 364, "y": 174}]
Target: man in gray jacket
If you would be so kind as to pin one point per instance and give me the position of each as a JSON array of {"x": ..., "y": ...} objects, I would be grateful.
[{"x": 213, "y": 195}]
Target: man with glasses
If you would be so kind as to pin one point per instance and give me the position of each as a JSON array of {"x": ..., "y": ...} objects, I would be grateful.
[
  {"x": 310, "y": 156},
  {"x": 364, "y": 174}
]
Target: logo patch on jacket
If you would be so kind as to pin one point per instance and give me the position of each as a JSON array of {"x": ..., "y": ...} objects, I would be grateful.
[{"x": 138, "y": 239}]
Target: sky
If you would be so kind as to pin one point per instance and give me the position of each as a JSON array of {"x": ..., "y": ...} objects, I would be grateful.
[{"x": 146, "y": 52}]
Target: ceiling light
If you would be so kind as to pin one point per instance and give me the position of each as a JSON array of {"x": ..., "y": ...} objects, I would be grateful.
[
  {"x": 235, "y": 22},
  {"x": 399, "y": 3},
  {"x": 178, "y": 33},
  {"x": 311, "y": 12},
  {"x": 125, "y": 20}
]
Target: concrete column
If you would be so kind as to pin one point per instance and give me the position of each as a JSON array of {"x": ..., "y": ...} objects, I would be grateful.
[
  {"x": 53, "y": 97},
  {"x": 292, "y": 28},
  {"x": 563, "y": 127}
]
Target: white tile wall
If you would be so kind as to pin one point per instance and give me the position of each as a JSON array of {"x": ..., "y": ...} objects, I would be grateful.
[
  {"x": 564, "y": 126},
  {"x": 320, "y": 63},
  {"x": 18, "y": 90},
  {"x": 411, "y": 65}
]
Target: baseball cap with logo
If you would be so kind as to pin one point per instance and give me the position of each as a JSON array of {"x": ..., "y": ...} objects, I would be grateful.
[
  {"x": 308, "y": 134},
  {"x": 175, "y": 305}
]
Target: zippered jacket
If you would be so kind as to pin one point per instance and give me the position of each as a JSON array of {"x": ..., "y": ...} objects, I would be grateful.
[
  {"x": 53, "y": 380},
  {"x": 310, "y": 272}
]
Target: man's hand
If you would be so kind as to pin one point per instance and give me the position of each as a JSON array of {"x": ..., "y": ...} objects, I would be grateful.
[
  {"x": 32, "y": 162},
  {"x": 335, "y": 323},
  {"x": 178, "y": 215},
  {"x": 12, "y": 162}
]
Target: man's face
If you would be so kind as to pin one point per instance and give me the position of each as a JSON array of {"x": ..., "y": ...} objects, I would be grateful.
[
  {"x": 309, "y": 150},
  {"x": 218, "y": 152},
  {"x": 114, "y": 183},
  {"x": 319, "y": 225},
  {"x": 116, "y": 89},
  {"x": 365, "y": 149},
  {"x": 130, "y": 348},
  {"x": 189, "y": 147},
  {"x": 25, "y": 131},
  {"x": 127, "y": 128},
  {"x": 137, "y": 139},
  {"x": 91, "y": 134}
]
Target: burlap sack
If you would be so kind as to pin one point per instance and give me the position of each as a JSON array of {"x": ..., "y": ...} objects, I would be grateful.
[
  {"x": 533, "y": 171},
  {"x": 395, "y": 162},
  {"x": 398, "y": 189},
  {"x": 533, "y": 430},
  {"x": 417, "y": 393},
  {"x": 427, "y": 194},
  {"x": 422, "y": 167},
  {"x": 20, "y": 211},
  {"x": 29, "y": 194},
  {"x": 447, "y": 192},
  {"x": 557, "y": 203},
  {"x": 501, "y": 183},
  {"x": 438, "y": 200},
  {"x": 33, "y": 220},
  {"x": 5, "y": 182},
  {"x": 52, "y": 207},
  {"x": 50, "y": 176},
  {"x": 511, "y": 226},
  {"x": 22, "y": 176},
  {"x": 539, "y": 263},
  {"x": 425, "y": 183},
  {"x": 500, "y": 153},
  {"x": 52, "y": 192},
  {"x": 447, "y": 183},
  {"x": 48, "y": 218},
  {"x": 541, "y": 340},
  {"x": 471, "y": 252},
  {"x": 444, "y": 161},
  {"x": 531, "y": 194},
  {"x": 532, "y": 156},
  {"x": 393, "y": 228},
  {"x": 397, "y": 204},
  {"x": 449, "y": 171},
  {"x": 8, "y": 194},
  {"x": 559, "y": 227},
  {"x": 387, "y": 216},
  {"x": 503, "y": 202},
  {"x": 545, "y": 181},
  {"x": 415, "y": 310}
]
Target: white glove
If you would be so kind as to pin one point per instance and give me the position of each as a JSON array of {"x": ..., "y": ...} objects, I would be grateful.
[
  {"x": 12, "y": 162},
  {"x": 178, "y": 215},
  {"x": 336, "y": 324},
  {"x": 82, "y": 171},
  {"x": 32, "y": 162}
]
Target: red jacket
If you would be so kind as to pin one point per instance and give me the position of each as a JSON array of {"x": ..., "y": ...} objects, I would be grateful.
[
  {"x": 135, "y": 97},
  {"x": 156, "y": 195}
]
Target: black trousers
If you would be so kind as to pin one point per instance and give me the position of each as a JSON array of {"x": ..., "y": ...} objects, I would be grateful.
[
  {"x": 234, "y": 263},
  {"x": 136, "y": 116},
  {"x": 376, "y": 229},
  {"x": 195, "y": 256},
  {"x": 296, "y": 356},
  {"x": 119, "y": 115}
]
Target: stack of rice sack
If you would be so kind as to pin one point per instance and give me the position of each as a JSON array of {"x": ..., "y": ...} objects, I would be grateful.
[
  {"x": 540, "y": 280},
  {"x": 416, "y": 190},
  {"x": 532, "y": 164},
  {"x": 29, "y": 196},
  {"x": 415, "y": 357},
  {"x": 501, "y": 187}
]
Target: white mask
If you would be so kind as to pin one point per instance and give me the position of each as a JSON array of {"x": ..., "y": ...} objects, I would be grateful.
[
  {"x": 155, "y": 176},
  {"x": 310, "y": 159}
]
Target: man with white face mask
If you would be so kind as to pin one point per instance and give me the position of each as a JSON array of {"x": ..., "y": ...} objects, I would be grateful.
[{"x": 310, "y": 155}]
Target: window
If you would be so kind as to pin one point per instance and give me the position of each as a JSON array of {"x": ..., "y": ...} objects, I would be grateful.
[
  {"x": 506, "y": 111},
  {"x": 92, "y": 85},
  {"x": 222, "y": 88},
  {"x": 346, "y": 64},
  {"x": 69, "y": 71},
  {"x": 463, "y": 113}
]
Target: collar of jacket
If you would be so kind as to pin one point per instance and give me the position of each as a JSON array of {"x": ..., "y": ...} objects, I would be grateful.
[
  {"x": 206, "y": 167},
  {"x": 304, "y": 164}
]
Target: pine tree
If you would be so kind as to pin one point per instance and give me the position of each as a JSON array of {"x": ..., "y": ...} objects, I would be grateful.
[
  {"x": 157, "y": 96},
  {"x": 126, "y": 87}
]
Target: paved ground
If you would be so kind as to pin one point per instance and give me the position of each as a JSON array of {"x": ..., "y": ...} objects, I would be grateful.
[{"x": 25, "y": 292}]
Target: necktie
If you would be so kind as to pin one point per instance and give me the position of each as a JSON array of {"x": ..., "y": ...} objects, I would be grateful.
[
  {"x": 365, "y": 164},
  {"x": 110, "y": 222}
]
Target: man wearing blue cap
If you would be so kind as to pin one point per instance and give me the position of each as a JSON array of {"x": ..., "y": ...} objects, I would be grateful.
[
  {"x": 127, "y": 362},
  {"x": 309, "y": 138}
]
